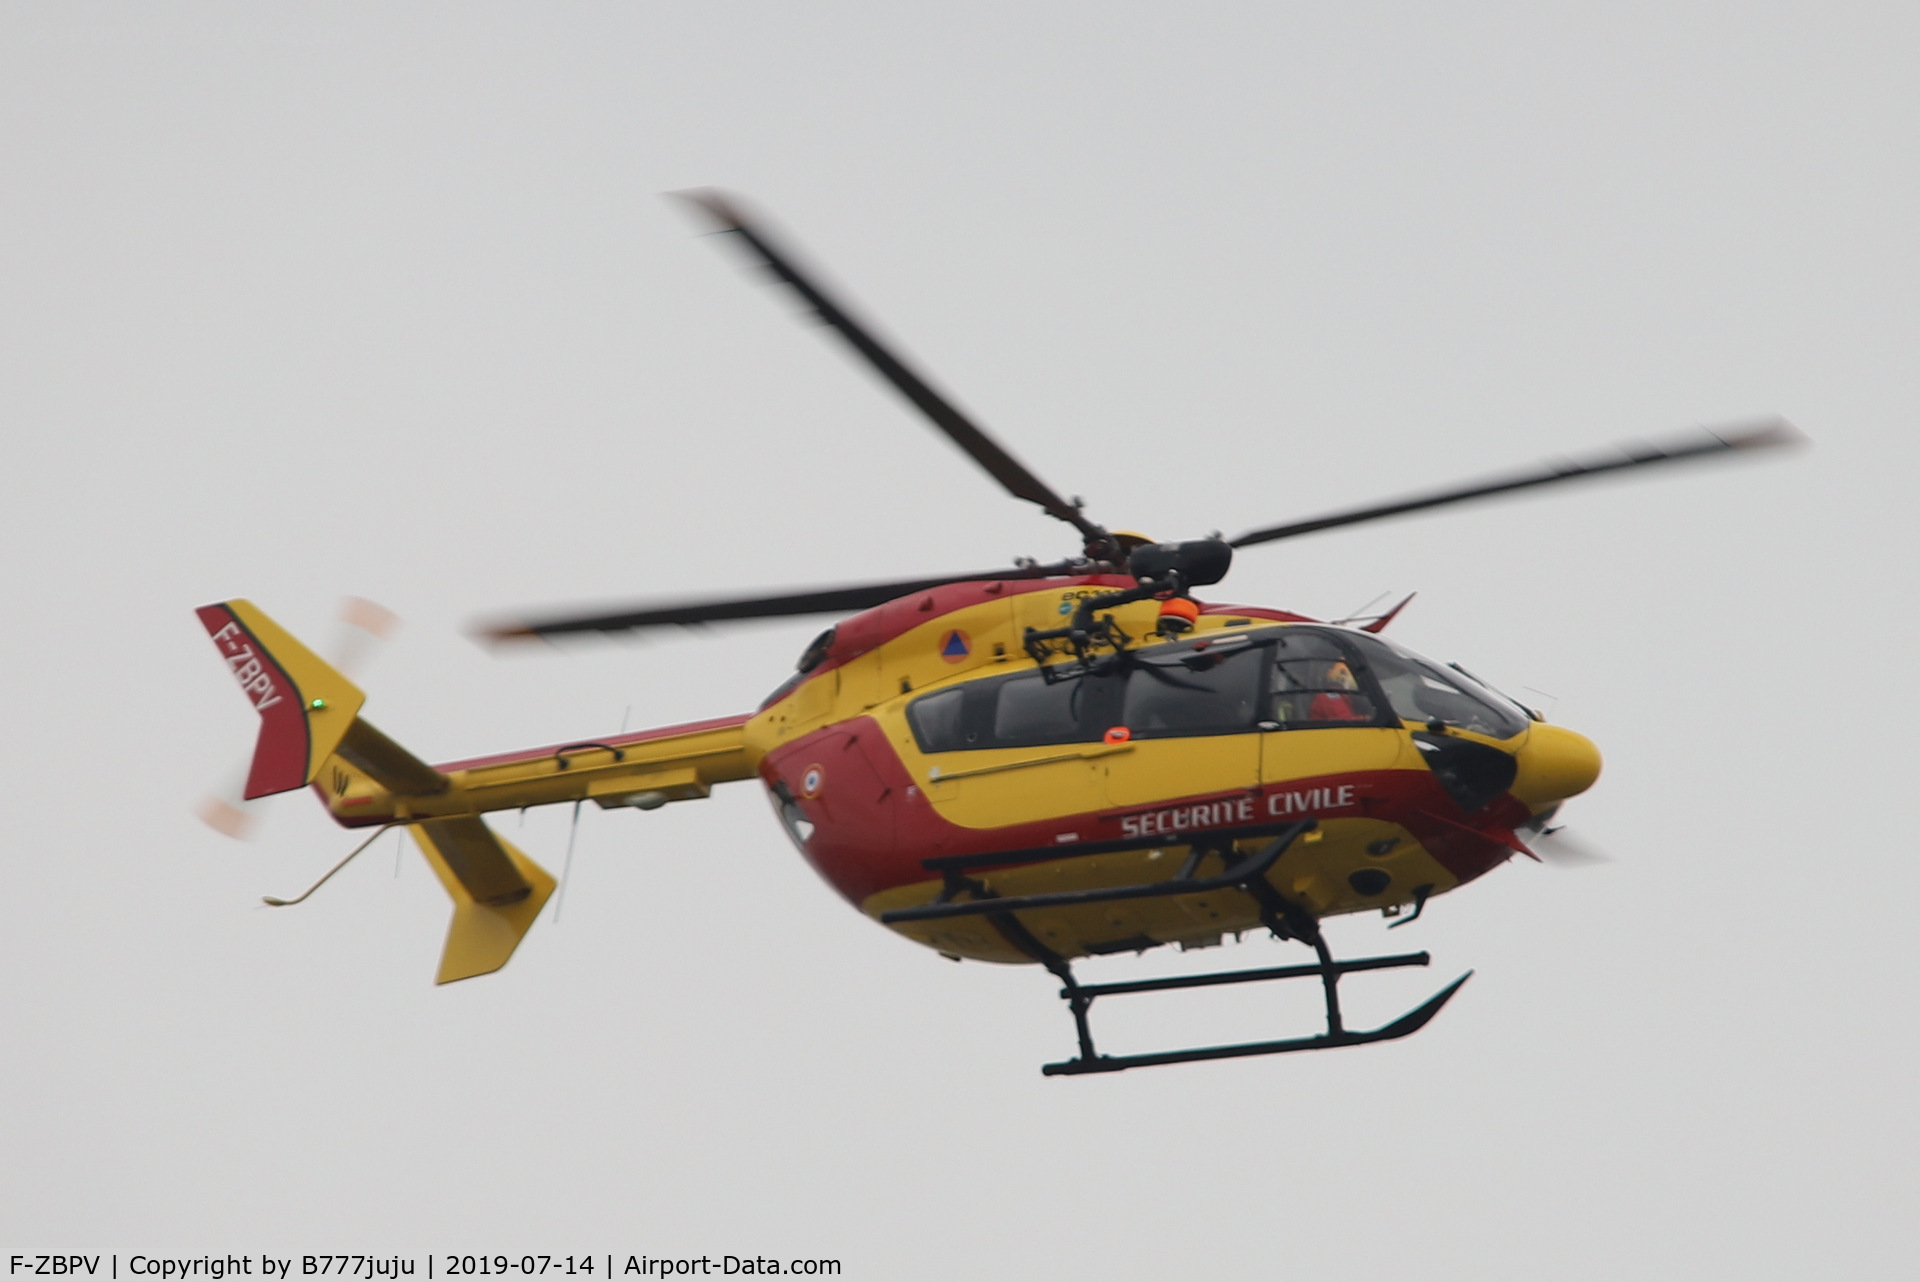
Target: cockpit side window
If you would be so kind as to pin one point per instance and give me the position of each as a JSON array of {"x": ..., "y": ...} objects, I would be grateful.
[
  {"x": 1421, "y": 690},
  {"x": 1315, "y": 684}
]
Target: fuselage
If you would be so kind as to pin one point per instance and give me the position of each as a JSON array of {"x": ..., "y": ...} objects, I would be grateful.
[
  {"x": 925, "y": 731},
  {"x": 922, "y": 730}
]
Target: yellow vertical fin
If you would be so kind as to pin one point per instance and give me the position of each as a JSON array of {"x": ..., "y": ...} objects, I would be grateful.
[
  {"x": 305, "y": 706},
  {"x": 496, "y": 891}
]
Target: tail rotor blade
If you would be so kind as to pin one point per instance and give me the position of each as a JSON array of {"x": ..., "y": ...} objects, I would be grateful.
[
  {"x": 228, "y": 815},
  {"x": 364, "y": 625}
]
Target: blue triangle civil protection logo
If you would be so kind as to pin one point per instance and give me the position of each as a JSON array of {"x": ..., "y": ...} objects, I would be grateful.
[{"x": 954, "y": 647}]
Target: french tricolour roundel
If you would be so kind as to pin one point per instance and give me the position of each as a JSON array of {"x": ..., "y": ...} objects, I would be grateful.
[{"x": 955, "y": 646}]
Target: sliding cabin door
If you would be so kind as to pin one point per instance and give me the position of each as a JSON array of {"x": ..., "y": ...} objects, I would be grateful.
[{"x": 1190, "y": 714}]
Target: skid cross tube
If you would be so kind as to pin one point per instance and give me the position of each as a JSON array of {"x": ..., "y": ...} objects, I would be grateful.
[{"x": 1247, "y": 976}]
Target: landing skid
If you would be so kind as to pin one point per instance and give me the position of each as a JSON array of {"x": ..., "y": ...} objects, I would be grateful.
[
  {"x": 1079, "y": 998},
  {"x": 1248, "y": 874}
]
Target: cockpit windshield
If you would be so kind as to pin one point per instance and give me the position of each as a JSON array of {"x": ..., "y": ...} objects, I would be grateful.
[{"x": 1421, "y": 690}]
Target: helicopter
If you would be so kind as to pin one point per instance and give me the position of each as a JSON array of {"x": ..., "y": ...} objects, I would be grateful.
[{"x": 1032, "y": 764}]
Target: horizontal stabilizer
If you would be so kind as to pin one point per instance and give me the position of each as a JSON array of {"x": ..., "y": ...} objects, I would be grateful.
[
  {"x": 388, "y": 764},
  {"x": 496, "y": 890}
]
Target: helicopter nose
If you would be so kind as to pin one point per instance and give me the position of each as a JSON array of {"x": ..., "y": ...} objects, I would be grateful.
[{"x": 1554, "y": 764}]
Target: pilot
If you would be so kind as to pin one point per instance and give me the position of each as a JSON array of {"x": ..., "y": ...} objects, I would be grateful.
[{"x": 1334, "y": 702}]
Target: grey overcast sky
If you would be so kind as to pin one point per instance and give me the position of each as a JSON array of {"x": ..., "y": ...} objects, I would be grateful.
[{"x": 299, "y": 301}]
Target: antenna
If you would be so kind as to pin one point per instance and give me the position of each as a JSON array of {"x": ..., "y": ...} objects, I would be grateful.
[
  {"x": 1354, "y": 615},
  {"x": 566, "y": 869}
]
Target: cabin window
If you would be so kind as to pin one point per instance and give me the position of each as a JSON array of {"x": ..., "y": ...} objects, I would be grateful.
[
  {"x": 1315, "y": 683},
  {"x": 786, "y": 688},
  {"x": 1422, "y": 690},
  {"x": 1034, "y": 711},
  {"x": 1215, "y": 690},
  {"x": 938, "y": 719},
  {"x": 1293, "y": 678},
  {"x": 1014, "y": 711},
  {"x": 1029, "y": 709},
  {"x": 816, "y": 652}
]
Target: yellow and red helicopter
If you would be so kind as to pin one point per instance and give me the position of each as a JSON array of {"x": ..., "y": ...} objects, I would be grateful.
[{"x": 1029, "y": 764}]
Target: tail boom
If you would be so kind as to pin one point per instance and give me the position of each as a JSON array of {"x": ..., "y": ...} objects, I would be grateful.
[
  {"x": 646, "y": 768},
  {"x": 311, "y": 733}
]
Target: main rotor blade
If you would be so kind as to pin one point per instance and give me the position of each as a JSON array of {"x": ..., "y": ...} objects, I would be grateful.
[
  {"x": 844, "y": 600},
  {"x": 1762, "y": 435},
  {"x": 987, "y": 452}
]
